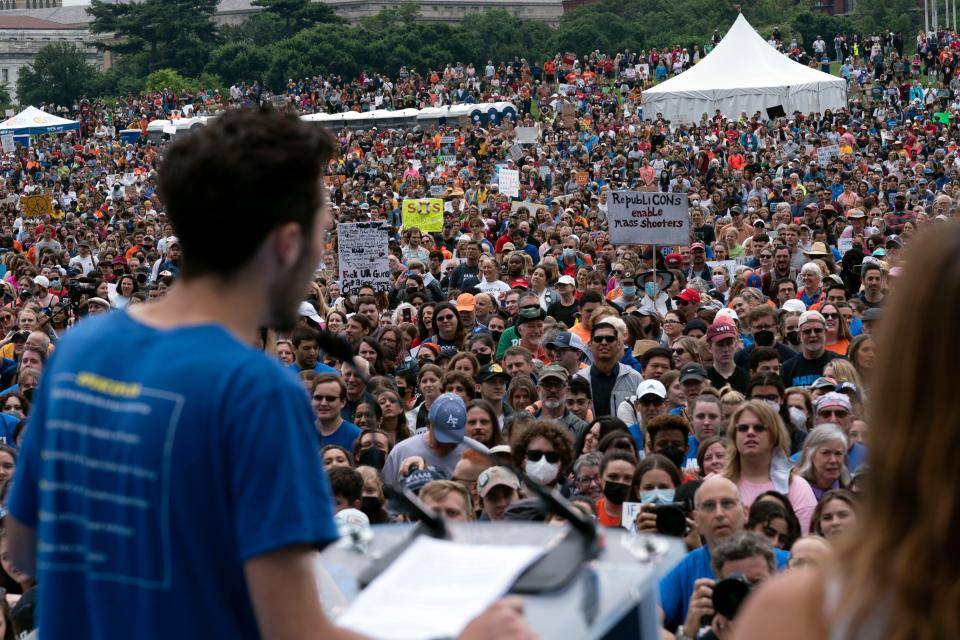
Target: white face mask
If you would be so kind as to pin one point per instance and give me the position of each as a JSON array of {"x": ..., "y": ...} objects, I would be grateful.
[
  {"x": 657, "y": 496},
  {"x": 541, "y": 471}
]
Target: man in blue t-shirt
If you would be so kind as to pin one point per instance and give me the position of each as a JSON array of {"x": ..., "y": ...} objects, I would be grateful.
[
  {"x": 180, "y": 492},
  {"x": 329, "y": 396}
]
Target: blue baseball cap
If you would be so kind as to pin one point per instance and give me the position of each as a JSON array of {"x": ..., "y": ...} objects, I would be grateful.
[{"x": 448, "y": 415}]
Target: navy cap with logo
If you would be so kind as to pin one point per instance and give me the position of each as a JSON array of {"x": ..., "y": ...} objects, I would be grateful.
[
  {"x": 448, "y": 415},
  {"x": 491, "y": 371},
  {"x": 692, "y": 371}
]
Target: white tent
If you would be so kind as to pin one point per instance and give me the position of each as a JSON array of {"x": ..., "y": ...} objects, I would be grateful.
[
  {"x": 33, "y": 121},
  {"x": 744, "y": 74}
]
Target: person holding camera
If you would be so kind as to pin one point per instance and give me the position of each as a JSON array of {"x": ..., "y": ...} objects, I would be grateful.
[
  {"x": 719, "y": 514},
  {"x": 654, "y": 486},
  {"x": 740, "y": 563}
]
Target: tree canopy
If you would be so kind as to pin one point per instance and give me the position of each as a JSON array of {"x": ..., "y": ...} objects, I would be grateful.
[{"x": 59, "y": 74}]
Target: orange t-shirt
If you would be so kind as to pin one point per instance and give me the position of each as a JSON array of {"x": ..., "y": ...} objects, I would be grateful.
[
  {"x": 602, "y": 517},
  {"x": 840, "y": 348}
]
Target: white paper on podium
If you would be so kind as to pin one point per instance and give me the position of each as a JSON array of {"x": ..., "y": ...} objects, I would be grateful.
[{"x": 443, "y": 585}]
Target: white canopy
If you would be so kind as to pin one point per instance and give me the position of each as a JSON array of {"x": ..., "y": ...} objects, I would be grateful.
[
  {"x": 744, "y": 74},
  {"x": 34, "y": 121}
]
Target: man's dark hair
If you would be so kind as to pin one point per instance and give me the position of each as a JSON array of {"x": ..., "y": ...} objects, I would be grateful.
[
  {"x": 776, "y": 285},
  {"x": 667, "y": 422},
  {"x": 590, "y": 296},
  {"x": 761, "y": 354},
  {"x": 362, "y": 319},
  {"x": 656, "y": 352},
  {"x": 580, "y": 385},
  {"x": 301, "y": 334},
  {"x": 346, "y": 483},
  {"x": 768, "y": 379},
  {"x": 249, "y": 170}
]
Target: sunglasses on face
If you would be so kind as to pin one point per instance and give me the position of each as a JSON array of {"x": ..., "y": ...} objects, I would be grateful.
[
  {"x": 327, "y": 399},
  {"x": 604, "y": 339},
  {"x": 757, "y": 428},
  {"x": 534, "y": 455}
]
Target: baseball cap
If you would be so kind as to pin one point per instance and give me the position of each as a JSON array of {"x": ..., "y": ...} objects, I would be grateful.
[
  {"x": 448, "y": 415},
  {"x": 520, "y": 283},
  {"x": 834, "y": 399},
  {"x": 529, "y": 314},
  {"x": 490, "y": 371},
  {"x": 351, "y": 521},
  {"x": 794, "y": 306},
  {"x": 307, "y": 310},
  {"x": 856, "y": 213},
  {"x": 652, "y": 387},
  {"x": 808, "y": 316},
  {"x": 689, "y": 295},
  {"x": 692, "y": 371},
  {"x": 697, "y": 245},
  {"x": 824, "y": 382},
  {"x": 417, "y": 478},
  {"x": 673, "y": 260},
  {"x": 871, "y": 315},
  {"x": 43, "y": 281},
  {"x": 554, "y": 371},
  {"x": 567, "y": 280},
  {"x": 98, "y": 301},
  {"x": 496, "y": 477},
  {"x": 720, "y": 330},
  {"x": 466, "y": 302},
  {"x": 728, "y": 313},
  {"x": 567, "y": 340}
]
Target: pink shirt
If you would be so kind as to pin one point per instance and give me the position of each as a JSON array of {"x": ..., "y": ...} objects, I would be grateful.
[{"x": 801, "y": 497}]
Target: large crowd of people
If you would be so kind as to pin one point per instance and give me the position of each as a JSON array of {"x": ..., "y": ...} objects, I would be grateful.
[{"x": 732, "y": 378}]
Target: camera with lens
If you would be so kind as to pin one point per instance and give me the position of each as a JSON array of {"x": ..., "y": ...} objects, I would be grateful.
[
  {"x": 729, "y": 594},
  {"x": 80, "y": 287},
  {"x": 672, "y": 518}
]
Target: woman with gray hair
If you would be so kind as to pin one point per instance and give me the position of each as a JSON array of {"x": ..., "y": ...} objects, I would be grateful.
[{"x": 823, "y": 460}]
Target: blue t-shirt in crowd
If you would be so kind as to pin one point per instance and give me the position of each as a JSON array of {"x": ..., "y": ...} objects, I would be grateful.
[
  {"x": 8, "y": 425},
  {"x": 319, "y": 368},
  {"x": 150, "y": 478},
  {"x": 344, "y": 436},
  {"x": 677, "y": 586}
]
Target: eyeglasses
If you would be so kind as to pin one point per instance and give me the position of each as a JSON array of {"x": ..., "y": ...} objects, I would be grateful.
[
  {"x": 672, "y": 322},
  {"x": 710, "y": 506},
  {"x": 588, "y": 480},
  {"x": 446, "y": 318},
  {"x": 651, "y": 402},
  {"x": 604, "y": 339},
  {"x": 757, "y": 428},
  {"x": 534, "y": 455},
  {"x": 327, "y": 399},
  {"x": 830, "y": 316},
  {"x": 814, "y": 332}
]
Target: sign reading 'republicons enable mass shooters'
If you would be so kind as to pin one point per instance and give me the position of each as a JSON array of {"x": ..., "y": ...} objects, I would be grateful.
[{"x": 648, "y": 217}]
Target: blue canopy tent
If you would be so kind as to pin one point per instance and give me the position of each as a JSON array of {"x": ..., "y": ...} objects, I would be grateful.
[{"x": 33, "y": 121}]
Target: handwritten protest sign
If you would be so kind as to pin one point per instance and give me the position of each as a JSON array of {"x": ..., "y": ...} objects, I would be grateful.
[
  {"x": 825, "y": 153},
  {"x": 532, "y": 207},
  {"x": 362, "y": 249},
  {"x": 641, "y": 217},
  {"x": 36, "y": 205},
  {"x": 583, "y": 178},
  {"x": 510, "y": 182},
  {"x": 6, "y": 140},
  {"x": 516, "y": 152},
  {"x": 448, "y": 148},
  {"x": 628, "y": 516},
  {"x": 425, "y": 214},
  {"x": 527, "y": 135}
]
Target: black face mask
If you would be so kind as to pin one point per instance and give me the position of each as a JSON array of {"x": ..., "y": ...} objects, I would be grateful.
[
  {"x": 675, "y": 455},
  {"x": 496, "y": 336},
  {"x": 483, "y": 358},
  {"x": 372, "y": 457},
  {"x": 793, "y": 338},
  {"x": 616, "y": 492},
  {"x": 370, "y": 505},
  {"x": 763, "y": 338}
]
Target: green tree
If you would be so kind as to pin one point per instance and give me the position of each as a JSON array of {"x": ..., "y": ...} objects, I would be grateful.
[
  {"x": 177, "y": 34},
  {"x": 238, "y": 61},
  {"x": 893, "y": 15},
  {"x": 297, "y": 15},
  {"x": 5, "y": 99},
  {"x": 59, "y": 74}
]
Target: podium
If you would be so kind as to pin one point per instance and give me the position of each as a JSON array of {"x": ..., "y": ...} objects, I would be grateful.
[{"x": 612, "y": 597}]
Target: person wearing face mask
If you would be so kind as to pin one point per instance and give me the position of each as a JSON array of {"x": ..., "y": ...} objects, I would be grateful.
[
  {"x": 764, "y": 329},
  {"x": 544, "y": 451},
  {"x": 370, "y": 449},
  {"x": 655, "y": 298},
  {"x": 629, "y": 293},
  {"x": 372, "y": 500},
  {"x": 570, "y": 260},
  {"x": 655, "y": 483},
  {"x": 616, "y": 474},
  {"x": 669, "y": 436}
]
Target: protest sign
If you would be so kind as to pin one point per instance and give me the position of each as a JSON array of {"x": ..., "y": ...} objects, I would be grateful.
[
  {"x": 7, "y": 141},
  {"x": 362, "y": 249},
  {"x": 825, "y": 153},
  {"x": 568, "y": 115},
  {"x": 582, "y": 178},
  {"x": 527, "y": 135},
  {"x": 628, "y": 516},
  {"x": 532, "y": 207},
  {"x": 510, "y": 182},
  {"x": 436, "y": 189},
  {"x": 639, "y": 217},
  {"x": 448, "y": 148},
  {"x": 516, "y": 152},
  {"x": 425, "y": 214},
  {"x": 36, "y": 205}
]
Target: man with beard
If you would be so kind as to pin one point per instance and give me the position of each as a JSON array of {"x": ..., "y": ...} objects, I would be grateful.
[
  {"x": 553, "y": 387},
  {"x": 177, "y": 494}
]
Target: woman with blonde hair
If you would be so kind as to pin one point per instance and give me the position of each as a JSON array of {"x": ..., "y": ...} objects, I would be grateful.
[
  {"x": 843, "y": 370},
  {"x": 892, "y": 577},
  {"x": 758, "y": 450}
]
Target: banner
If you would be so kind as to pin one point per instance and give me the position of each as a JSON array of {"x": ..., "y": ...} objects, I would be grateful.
[
  {"x": 642, "y": 217},
  {"x": 7, "y": 141},
  {"x": 362, "y": 249},
  {"x": 825, "y": 153},
  {"x": 425, "y": 214},
  {"x": 36, "y": 205},
  {"x": 510, "y": 182}
]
